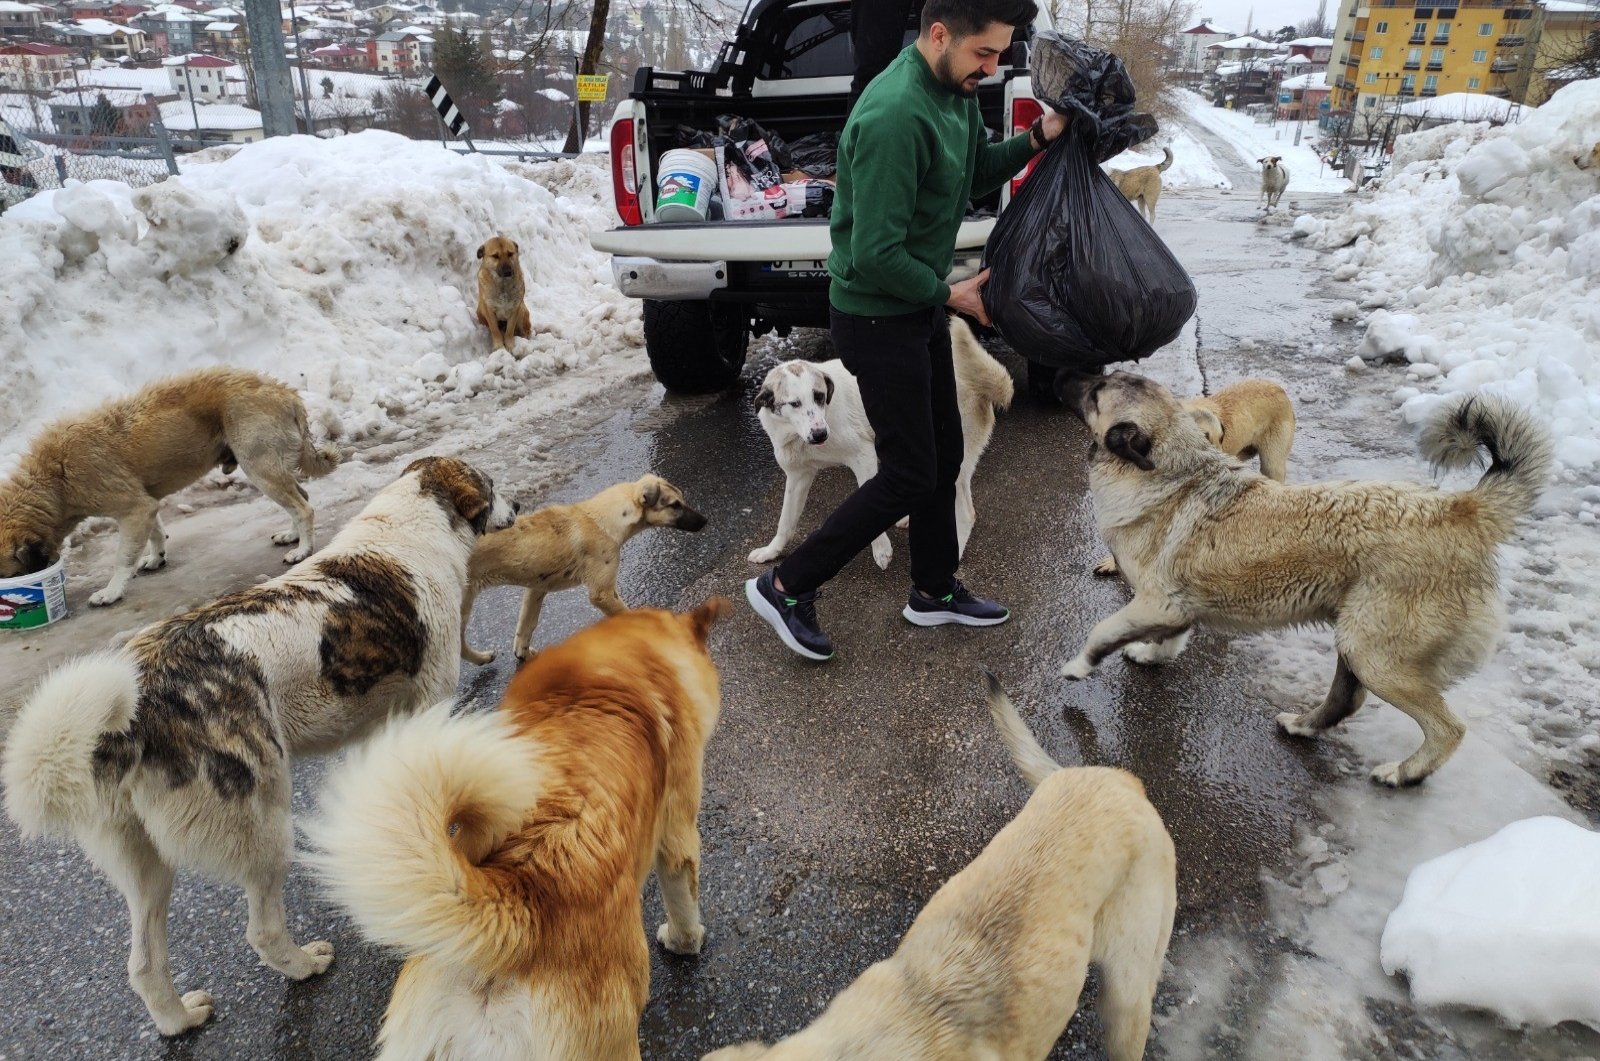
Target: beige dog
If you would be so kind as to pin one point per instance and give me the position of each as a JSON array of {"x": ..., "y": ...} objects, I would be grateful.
[
  {"x": 504, "y": 852},
  {"x": 1405, "y": 573},
  {"x": 502, "y": 305},
  {"x": 1590, "y": 160},
  {"x": 993, "y": 965},
  {"x": 1251, "y": 418},
  {"x": 1274, "y": 179},
  {"x": 562, "y": 547},
  {"x": 1142, "y": 184},
  {"x": 121, "y": 459}
]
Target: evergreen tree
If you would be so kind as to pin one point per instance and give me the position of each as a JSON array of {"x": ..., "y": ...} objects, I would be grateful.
[
  {"x": 104, "y": 119},
  {"x": 327, "y": 87},
  {"x": 466, "y": 67}
]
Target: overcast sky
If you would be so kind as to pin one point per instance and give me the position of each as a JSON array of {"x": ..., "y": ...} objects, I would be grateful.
[{"x": 1270, "y": 14}]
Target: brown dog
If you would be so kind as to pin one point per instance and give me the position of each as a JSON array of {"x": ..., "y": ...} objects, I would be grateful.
[
  {"x": 121, "y": 459},
  {"x": 502, "y": 305},
  {"x": 504, "y": 852},
  {"x": 1142, "y": 184},
  {"x": 993, "y": 965},
  {"x": 1406, "y": 574},
  {"x": 1591, "y": 160},
  {"x": 1251, "y": 418},
  {"x": 564, "y": 546}
]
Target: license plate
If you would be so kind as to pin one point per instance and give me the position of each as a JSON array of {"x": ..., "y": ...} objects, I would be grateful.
[{"x": 798, "y": 268}]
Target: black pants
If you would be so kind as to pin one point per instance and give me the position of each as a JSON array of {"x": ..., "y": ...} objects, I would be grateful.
[
  {"x": 908, "y": 386},
  {"x": 877, "y": 35}
]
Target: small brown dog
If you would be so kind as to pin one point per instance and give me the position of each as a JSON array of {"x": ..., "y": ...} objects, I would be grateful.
[
  {"x": 994, "y": 964},
  {"x": 1251, "y": 418},
  {"x": 1142, "y": 184},
  {"x": 504, "y": 852},
  {"x": 564, "y": 546},
  {"x": 502, "y": 305}
]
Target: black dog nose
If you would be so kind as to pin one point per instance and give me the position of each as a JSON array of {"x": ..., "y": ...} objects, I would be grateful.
[
  {"x": 516, "y": 506},
  {"x": 506, "y": 270},
  {"x": 819, "y": 437}
]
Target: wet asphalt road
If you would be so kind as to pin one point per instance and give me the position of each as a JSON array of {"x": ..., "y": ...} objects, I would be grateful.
[{"x": 837, "y": 797}]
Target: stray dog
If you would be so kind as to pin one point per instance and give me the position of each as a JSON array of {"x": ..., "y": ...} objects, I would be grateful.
[
  {"x": 121, "y": 459},
  {"x": 503, "y": 853},
  {"x": 563, "y": 546},
  {"x": 1142, "y": 184},
  {"x": 174, "y": 751},
  {"x": 502, "y": 305},
  {"x": 1405, "y": 573},
  {"x": 1590, "y": 160},
  {"x": 814, "y": 417},
  {"x": 992, "y": 967},
  {"x": 1251, "y": 418},
  {"x": 1274, "y": 179}
]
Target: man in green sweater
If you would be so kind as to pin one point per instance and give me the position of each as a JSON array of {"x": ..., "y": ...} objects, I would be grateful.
[{"x": 912, "y": 155}]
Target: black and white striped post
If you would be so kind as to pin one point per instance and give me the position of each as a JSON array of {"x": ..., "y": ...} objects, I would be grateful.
[{"x": 449, "y": 114}]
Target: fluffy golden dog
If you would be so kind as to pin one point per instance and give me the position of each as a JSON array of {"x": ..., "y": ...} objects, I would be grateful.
[{"x": 502, "y": 301}]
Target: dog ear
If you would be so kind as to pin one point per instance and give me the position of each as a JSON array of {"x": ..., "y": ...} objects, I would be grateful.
[
  {"x": 650, "y": 497},
  {"x": 515, "y": 247},
  {"x": 1210, "y": 423},
  {"x": 33, "y": 555},
  {"x": 457, "y": 486},
  {"x": 1129, "y": 442},
  {"x": 704, "y": 617},
  {"x": 480, "y": 250},
  {"x": 767, "y": 399},
  {"x": 829, "y": 381}
]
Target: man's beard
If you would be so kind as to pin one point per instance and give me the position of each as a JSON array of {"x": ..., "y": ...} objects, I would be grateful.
[{"x": 946, "y": 76}]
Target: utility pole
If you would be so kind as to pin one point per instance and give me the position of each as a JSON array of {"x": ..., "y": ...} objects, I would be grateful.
[{"x": 264, "y": 23}]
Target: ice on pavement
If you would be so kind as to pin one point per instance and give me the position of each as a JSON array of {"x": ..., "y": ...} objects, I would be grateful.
[{"x": 1509, "y": 924}]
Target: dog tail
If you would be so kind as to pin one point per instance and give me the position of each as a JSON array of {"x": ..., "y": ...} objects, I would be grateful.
[
  {"x": 1521, "y": 454},
  {"x": 315, "y": 460},
  {"x": 49, "y": 766},
  {"x": 1032, "y": 760},
  {"x": 977, "y": 369},
  {"x": 1166, "y": 161},
  {"x": 409, "y": 834}
]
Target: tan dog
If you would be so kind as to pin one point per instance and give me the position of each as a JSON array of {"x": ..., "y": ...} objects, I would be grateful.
[
  {"x": 1406, "y": 574},
  {"x": 174, "y": 752},
  {"x": 994, "y": 964},
  {"x": 1251, "y": 418},
  {"x": 1274, "y": 179},
  {"x": 504, "y": 852},
  {"x": 502, "y": 305},
  {"x": 121, "y": 459},
  {"x": 565, "y": 546},
  {"x": 1591, "y": 160},
  {"x": 1142, "y": 184}
]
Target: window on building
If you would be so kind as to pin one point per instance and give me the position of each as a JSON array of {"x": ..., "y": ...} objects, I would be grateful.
[
  {"x": 1486, "y": 29},
  {"x": 1442, "y": 32},
  {"x": 1377, "y": 53},
  {"x": 1474, "y": 82},
  {"x": 1436, "y": 56},
  {"x": 1381, "y": 28},
  {"x": 1369, "y": 101},
  {"x": 1414, "y": 55},
  {"x": 1480, "y": 56},
  {"x": 1408, "y": 84},
  {"x": 1430, "y": 83},
  {"x": 206, "y": 89},
  {"x": 1419, "y": 32},
  {"x": 1372, "y": 79}
]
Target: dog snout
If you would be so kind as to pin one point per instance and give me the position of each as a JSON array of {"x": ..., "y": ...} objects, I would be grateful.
[
  {"x": 818, "y": 436},
  {"x": 516, "y": 507},
  {"x": 507, "y": 270},
  {"x": 690, "y": 520},
  {"x": 1073, "y": 389}
]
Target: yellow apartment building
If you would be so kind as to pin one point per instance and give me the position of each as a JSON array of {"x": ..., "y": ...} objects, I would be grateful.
[
  {"x": 1392, "y": 51},
  {"x": 1564, "y": 28}
]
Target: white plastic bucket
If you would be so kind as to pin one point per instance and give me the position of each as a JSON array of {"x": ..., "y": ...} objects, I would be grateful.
[
  {"x": 31, "y": 601},
  {"x": 684, "y": 186}
]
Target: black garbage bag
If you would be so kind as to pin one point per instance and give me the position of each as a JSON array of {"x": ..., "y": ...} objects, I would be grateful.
[
  {"x": 1078, "y": 279},
  {"x": 751, "y": 136},
  {"x": 816, "y": 154}
]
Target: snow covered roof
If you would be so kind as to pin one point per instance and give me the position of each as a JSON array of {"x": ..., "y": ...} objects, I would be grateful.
[
  {"x": 1315, "y": 81},
  {"x": 229, "y": 117},
  {"x": 90, "y": 95},
  {"x": 1296, "y": 60},
  {"x": 98, "y": 27},
  {"x": 555, "y": 94},
  {"x": 154, "y": 81},
  {"x": 1254, "y": 44},
  {"x": 11, "y": 7},
  {"x": 35, "y": 48},
  {"x": 222, "y": 27},
  {"x": 1204, "y": 28},
  {"x": 1570, "y": 7},
  {"x": 1312, "y": 42},
  {"x": 1459, "y": 107},
  {"x": 225, "y": 13},
  {"x": 197, "y": 60}
]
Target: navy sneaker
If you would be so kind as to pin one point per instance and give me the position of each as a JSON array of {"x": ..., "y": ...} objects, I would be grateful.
[
  {"x": 957, "y": 606},
  {"x": 793, "y": 617}
]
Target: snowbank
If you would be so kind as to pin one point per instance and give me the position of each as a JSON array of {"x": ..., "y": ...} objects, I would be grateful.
[
  {"x": 345, "y": 267},
  {"x": 1192, "y": 163},
  {"x": 1509, "y": 924},
  {"x": 1480, "y": 256},
  {"x": 1250, "y": 141}
]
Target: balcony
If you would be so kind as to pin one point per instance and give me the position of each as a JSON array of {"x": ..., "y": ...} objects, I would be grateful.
[
  {"x": 1406, "y": 93},
  {"x": 1511, "y": 40},
  {"x": 1516, "y": 14},
  {"x": 1413, "y": 66},
  {"x": 1442, "y": 40},
  {"x": 1505, "y": 66},
  {"x": 1351, "y": 60},
  {"x": 1430, "y": 92},
  {"x": 1356, "y": 36},
  {"x": 1436, "y": 65}
]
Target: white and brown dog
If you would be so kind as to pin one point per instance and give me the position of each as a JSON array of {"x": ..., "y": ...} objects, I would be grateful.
[
  {"x": 174, "y": 751},
  {"x": 1274, "y": 179},
  {"x": 813, "y": 415}
]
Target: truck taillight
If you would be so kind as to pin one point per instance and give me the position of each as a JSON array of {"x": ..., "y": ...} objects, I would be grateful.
[
  {"x": 624, "y": 175},
  {"x": 1023, "y": 112}
]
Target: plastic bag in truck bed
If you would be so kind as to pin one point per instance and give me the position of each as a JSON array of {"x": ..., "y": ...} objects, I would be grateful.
[
  {"x": 1079, "y": 280},
  {"x": 816, "y": 155}
]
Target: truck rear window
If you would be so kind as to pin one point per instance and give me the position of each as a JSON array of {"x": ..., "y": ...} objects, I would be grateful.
[{"x": 813, "y": 40}]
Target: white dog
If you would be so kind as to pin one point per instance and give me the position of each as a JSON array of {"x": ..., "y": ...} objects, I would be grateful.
[
  {"x": 814, "y": 417},
  {"x": 1274, "y": 179}
]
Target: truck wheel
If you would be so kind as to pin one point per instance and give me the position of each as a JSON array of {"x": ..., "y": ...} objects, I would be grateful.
[{"x": 695, "y": 347}]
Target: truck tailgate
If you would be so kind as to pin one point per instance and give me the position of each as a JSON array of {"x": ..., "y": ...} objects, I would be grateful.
[{"x": 746, "y": 241}]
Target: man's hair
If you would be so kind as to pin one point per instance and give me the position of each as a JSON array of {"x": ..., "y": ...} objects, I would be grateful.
[{"x": 963, "y": 18}]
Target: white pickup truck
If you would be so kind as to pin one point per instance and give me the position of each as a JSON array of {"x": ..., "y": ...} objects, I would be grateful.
[{"x": 708, "y": 286}]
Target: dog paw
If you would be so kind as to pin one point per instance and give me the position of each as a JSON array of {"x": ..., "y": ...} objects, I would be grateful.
[
  {"x": 882, "y": 553},
  {"x": 765, "y": 555},
  {"x": 1106, "y": 567},
  {"x": 294, "y": 556},
  {"x": 321, "y": 954},
  {"x": 1388, "y": 774},
  {"x": 307, "y": 961},
  {"x": 152, "y": 563},
  {"x": 472, "y": 655},
  {"x": 104, "y": 597},
  {"x": 288, "y": 537},
  {"x": 1148, "y": 653},
  {"x": 197, "y": 1006},
  {"x": 1077, "y": 669},
  {"x": 681, "y": 943},
  {"x": 1290, "y": 723},
  {"x": 904, "y": 523}
]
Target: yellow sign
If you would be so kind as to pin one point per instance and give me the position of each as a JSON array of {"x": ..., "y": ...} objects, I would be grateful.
[{"x": 592, "y": 87}]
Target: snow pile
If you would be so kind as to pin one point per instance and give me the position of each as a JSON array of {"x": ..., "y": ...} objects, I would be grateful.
[
  {"x": 1192, "y": 164},
  {"x": 344, "y": 267},
  {"x": 1481, "y": 255},
  {"x": 1509, "y": 924},
  {"x": 1250, "y": 141}
]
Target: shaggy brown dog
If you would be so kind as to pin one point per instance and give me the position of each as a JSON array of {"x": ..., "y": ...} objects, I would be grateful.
[
  {"x": 502, "y": 305},
  {"x": 504, "y": 852},
  {"x": 121, "y": 459}
]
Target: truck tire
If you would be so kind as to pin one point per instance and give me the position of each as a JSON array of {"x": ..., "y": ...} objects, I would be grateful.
[{"x": 695, "y": 347}]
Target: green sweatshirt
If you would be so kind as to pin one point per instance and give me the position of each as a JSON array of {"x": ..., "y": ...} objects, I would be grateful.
[{"x": 911, "y": 157}]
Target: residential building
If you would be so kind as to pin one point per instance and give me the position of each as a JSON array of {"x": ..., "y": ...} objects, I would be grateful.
[
  {"x": 229, "y": 122},
  {"x": 1302, "y": 98},
  {"x": 206, "y": 78},
  {"x": 1388, "y": 51},
  {"x": 19, "y": 20},
  {"x": 98, "y": 38},
  {"x": 34, "y": 66},
  {"x": 225, "y": 36},
  {"x": 395, "y": 53},
  {"x": 1567, "y": 29},
  {"x": 1193, "y": 42},
  {"x": 72, "y": 110},
  {"x": 1314, "y": 53},
  {"x": 171, "y": 29},
  {"x": 1241, "y": 50},
  {"x": 340, "y": 57}
]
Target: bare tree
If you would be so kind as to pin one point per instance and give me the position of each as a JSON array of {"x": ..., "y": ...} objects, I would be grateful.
[{"x": 1143, "y": 33}]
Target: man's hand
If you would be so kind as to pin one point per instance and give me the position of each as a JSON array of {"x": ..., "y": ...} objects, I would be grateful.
[
  {"x": 966, "y": 297},
  {"x": 1053, "y": 123}
]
